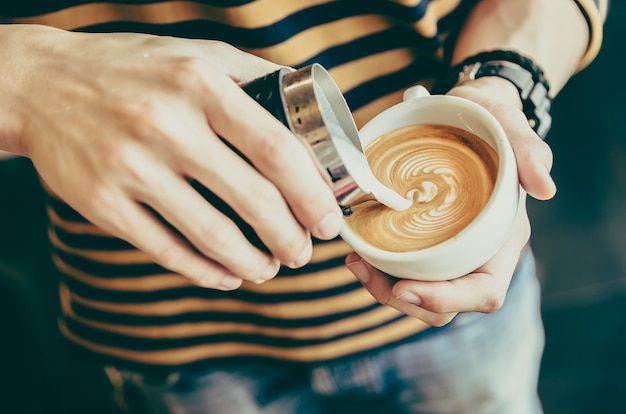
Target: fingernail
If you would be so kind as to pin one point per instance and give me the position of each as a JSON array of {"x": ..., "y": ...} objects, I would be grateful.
[
  {"x": 410, "y": 297},
  {"x": 304, "y": 257},
  {"x": 230, "y": 282},
  {"x": 360, "y": 270},
  {"x": 330, "y": 226},
  {"x": 271, "y": 271}
]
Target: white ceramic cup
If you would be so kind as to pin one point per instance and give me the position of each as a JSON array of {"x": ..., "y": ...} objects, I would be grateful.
[{"x": 479, "y": 241}]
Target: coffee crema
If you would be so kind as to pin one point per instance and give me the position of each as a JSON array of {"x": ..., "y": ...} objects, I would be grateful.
[{"x": 448, "y": 172}]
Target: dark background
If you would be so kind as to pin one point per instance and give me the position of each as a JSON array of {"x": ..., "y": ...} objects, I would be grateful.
[{"x": 579, "y": 239}]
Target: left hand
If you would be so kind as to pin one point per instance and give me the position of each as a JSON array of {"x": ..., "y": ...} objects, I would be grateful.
[{"x": 483, "y": 290}]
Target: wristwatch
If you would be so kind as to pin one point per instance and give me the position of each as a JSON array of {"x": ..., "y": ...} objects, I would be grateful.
[{"x": 519, "y": 70}]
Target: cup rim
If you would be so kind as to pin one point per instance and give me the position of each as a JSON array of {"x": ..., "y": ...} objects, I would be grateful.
[{"x": 503, "y": 146}]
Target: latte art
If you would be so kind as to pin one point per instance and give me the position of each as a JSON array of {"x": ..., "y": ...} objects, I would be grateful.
[{"x": 449, "y": 174}]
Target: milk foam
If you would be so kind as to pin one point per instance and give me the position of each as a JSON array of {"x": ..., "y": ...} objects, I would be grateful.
[{"x": 449, "y": 175}]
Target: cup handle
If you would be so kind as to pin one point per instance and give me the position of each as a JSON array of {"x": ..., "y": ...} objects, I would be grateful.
[{"x": 415, "y": 92}]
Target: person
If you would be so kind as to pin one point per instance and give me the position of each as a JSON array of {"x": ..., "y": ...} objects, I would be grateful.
[{"x": 127, "y": 109}]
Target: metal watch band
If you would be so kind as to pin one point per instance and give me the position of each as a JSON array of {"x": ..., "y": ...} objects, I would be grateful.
[{"x": 520, "y": 71}]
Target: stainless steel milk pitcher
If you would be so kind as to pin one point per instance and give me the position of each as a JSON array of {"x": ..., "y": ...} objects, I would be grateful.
[{"x": 310, "y": 104}]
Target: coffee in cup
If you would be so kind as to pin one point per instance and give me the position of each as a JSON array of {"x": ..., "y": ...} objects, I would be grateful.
[
  {"x": 452, "y": 158},
  {"x": 448, "y": 172}
]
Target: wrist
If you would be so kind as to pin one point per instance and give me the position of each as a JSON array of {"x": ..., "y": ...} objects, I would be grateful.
[{"x": 513, "y": 67}]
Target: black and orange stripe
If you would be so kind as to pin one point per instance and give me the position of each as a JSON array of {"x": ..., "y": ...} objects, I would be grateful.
[{"x": 119, "y": 305}]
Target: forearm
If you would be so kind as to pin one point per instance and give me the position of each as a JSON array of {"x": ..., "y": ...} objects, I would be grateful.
[{"x": 553, "y": 33}]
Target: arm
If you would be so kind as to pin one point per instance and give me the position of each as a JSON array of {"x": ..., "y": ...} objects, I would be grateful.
[
  {"x": 552, "y": 33},
  {"x": 555, "y": 35},
  {"x": 117, "y": 125}
]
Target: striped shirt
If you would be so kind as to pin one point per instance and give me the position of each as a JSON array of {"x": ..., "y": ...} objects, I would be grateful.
[{"x": 119, "y": 305}]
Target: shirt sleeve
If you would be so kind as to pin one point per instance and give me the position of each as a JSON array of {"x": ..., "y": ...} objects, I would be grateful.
[{"x": 595, "y": 12}]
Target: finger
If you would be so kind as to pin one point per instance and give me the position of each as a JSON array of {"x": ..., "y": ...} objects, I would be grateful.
[
  {"x": 206, "y": 228},
  {"x": 279, "y": 156},
  {"x": 533, "y": 156},
  {"x": 381, "y": 287},
  {"x": 254, "y": 198},
  {"x": 143, "y": 230},
  {"x": 185, "y": 142},
  {"x": 239, "y": 65},
  {"x": 482, "y": 291},
  {"x": 477, "y": 292}
]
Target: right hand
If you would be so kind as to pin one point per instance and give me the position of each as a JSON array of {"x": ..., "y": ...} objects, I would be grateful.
[{"x": 117, "y": 122}]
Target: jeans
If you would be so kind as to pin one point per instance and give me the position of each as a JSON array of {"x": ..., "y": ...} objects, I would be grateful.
[{"x": 479, "y": 363}]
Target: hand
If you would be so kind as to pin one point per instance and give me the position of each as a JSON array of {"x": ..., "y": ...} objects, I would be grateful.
[
  {"x": 119, "y": 125},
  {"x": 484, "y": 290}
]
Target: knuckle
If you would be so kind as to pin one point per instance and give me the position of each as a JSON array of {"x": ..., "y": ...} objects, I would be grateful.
[
  {"x": 148, "y": 112},
  {"x": 277, "y": 149},
  {"x": 145, "y": 122},
  {"x": 188, "y": 73},
  {"x": 170, "y": 256},
  {"x": 101, "y": 204},
  {"x": 128, "y": 164},
  {"x": 99, "y": 198},
  {"x": 313, "y": 202},
  {"x": 262, "y": 214},
  {"x": 266, "y": 199},
  {"x": 493, "y": 302},
  {"x": 132, "y": 112},
  {"x": 125, "y": 156},
  {"x": 214, "y": 238},
  {"x": 146, "y": 118},
  {"x": 439, "y": 305}
]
